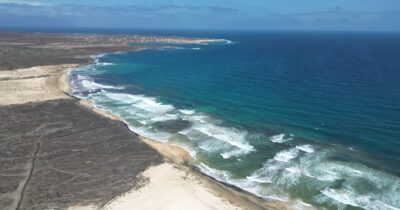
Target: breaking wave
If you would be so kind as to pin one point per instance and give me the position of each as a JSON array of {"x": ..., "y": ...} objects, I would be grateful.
[
  {"x": 280, "y": 138},
  {"x": 295, "y": 165}
]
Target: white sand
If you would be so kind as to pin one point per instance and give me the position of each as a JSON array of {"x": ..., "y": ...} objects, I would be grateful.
[
  {"x": 170, "y": 188},
  {"x": 33, "y": 84}
]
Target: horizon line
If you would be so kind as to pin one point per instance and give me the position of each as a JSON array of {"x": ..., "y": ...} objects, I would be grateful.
[{"x": 11, "y": 28}]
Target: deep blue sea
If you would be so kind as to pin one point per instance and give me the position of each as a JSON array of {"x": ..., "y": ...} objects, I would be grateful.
[{"x": 308, "y": 118}]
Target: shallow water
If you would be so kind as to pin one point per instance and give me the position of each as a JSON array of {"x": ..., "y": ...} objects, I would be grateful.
[{"x": 311, "y": 117}]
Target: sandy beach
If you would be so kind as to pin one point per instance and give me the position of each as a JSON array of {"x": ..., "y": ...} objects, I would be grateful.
[
  {"x": 174, "y": 183},
  {"x": 170, "y": 183},
  {"x": 173, "y": 188},
  {"x": 33, "y": 84},
  {"x": 61, "y": 153}
]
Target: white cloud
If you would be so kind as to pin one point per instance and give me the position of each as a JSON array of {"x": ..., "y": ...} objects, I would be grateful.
[{"x": 24, "y": 2}]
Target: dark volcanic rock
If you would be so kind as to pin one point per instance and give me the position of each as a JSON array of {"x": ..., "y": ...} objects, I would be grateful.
[{"x": 57, "y": 153}]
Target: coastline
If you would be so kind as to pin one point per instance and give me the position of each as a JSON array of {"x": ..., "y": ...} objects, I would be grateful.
[
  {"x": 34, "y": 84},
  {"x": 73, "y": 127},
  {"x": 287, "y": 166},
  {"x": 180, "y": 159}
]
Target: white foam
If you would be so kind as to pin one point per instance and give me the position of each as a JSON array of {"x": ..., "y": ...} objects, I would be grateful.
[
  {"x": 251, "y": 184},
  {"x": 219, "y": 175},
  {"x": 280, "y": 138},
  {"x": 286, "y": 155},
  {"x": 165, "y": 117},
  {"x": 81, "y": 77},
  {"x": 142, "y": 102},
  {"x": 293, "y": 170},
  {"x": 187, "y": 111},
  {"x": 185, "y": 132},
  {"x": 158, "y": 136},
  {"x": 305, "y": 148},
  {"x": 230, "y": 154},
  {"x": 342, "y": 197},
  {"x": 259, "y": 180},
  {"x": 210, "y": 145},
  {"x": 316, "y": 165},
  {"x": 245, "y": 184},
  {"x": 196, "y": 48},
  {"x": 96, "y": 58},
  {"x": 388, "y": 206},
  {"x": 225, "y": 41},
  {"x": 326, "y": 176},
  {"x": 178, "y": 48},
  {"x": 91, "y": 85},
  {"x": 305, "y": 204},
  {"x": 229, "y": 42},
  {"x": 150, "y": 104},
  {"x": 198, "y": 118},
  {"x": 226, "y": 155},
  {"x": 268, "y": 172},
  {"x": 124, "y": 97},
  {"x": 104, "y": 64},
  {"x": 144, "y": 122},
  {"x": 228, "y": 135}
]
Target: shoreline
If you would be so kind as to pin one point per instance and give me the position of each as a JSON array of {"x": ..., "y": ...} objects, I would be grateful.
[
  {"x": 181, "y": 159},
  {"x": 74, "y": 139},
  {"x": 33, "y": 84},
  {"x": 97, "y": 148}
]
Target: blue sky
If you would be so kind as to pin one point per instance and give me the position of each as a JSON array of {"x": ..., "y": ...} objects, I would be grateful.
[{"x": 372, "y": 15}]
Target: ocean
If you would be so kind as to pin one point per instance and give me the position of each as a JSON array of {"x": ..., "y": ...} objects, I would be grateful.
[{"x": 311, "y": 118}]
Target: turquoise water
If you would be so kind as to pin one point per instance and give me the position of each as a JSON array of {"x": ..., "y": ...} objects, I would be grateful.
[{"x": 306, "y": 118}]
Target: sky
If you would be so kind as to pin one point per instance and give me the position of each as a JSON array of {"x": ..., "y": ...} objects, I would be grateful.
[{"x": 370, "y": 15}]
